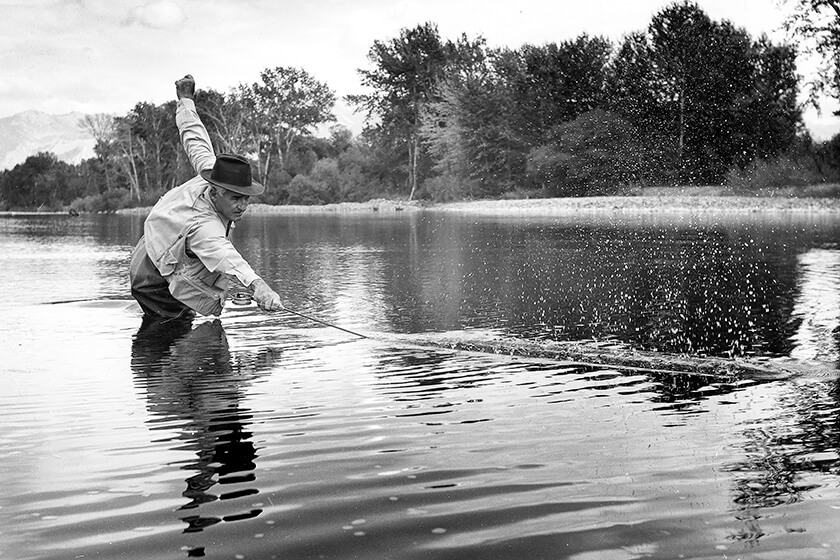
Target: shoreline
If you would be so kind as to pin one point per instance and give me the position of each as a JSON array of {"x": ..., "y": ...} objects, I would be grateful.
[
  {"x": 603, "y": 205},
  {"x": 682, "y": 204},
  {"x": 640, "y": 205}
]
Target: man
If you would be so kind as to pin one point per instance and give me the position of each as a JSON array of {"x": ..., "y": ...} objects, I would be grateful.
[{"x": 182, "y": 264}]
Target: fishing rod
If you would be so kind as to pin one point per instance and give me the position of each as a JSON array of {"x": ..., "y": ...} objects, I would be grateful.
[
  {"x": 287, "y": 310},
  {"x": 237, "y": 298},
  {"x": 244, "y": 298}
]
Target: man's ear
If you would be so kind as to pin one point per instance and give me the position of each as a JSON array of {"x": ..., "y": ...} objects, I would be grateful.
[{"x": 213, "y": 192}]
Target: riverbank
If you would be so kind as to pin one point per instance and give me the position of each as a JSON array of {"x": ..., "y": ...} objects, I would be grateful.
[
  {"x": 647, "y": 205},
  {"x": 687, "y": 202},
  {"x": 560, "y": 206},
  {"x": 683, "y": 201}
]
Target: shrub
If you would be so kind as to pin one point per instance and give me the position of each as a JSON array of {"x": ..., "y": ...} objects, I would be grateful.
[
  {"x": 325, "y": 171},
  {"x": 306, "y": 190},
  {"x": 595, "y": 154},
  {"x": 276, "y": 188},
  {"x": 546, "y": 169},
  {"x": 447, "y": 188},
  {"x": 352, "y": 184},
  {"x": 109, "y": 201},
  {"x": 766, "y": 176},
  {"x": 823, "y": 190}
]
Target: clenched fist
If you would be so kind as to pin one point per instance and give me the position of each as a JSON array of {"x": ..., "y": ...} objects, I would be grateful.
[{"x": 185, "y": 87}]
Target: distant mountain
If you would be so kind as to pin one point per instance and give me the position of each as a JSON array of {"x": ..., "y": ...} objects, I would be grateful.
[{"x": 27, "y": 133}]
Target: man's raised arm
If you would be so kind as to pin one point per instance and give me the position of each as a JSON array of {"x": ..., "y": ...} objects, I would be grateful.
[{"x": 194, "y": 136}]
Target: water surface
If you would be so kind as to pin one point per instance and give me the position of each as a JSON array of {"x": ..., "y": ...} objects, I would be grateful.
[{"x": 269, "y": 436}]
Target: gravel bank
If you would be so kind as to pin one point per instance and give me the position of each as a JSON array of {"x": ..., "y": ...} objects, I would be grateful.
[
  {"x": 646, "y": 204},
  {"x": 601, "y": 205}
]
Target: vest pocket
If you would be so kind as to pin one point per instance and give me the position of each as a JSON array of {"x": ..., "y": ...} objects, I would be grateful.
[{"x": 201, "y": 297}]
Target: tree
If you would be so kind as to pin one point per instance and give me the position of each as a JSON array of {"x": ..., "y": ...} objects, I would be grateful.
[
  {"x": 816, "y": 25},
  {"x": 286, "y": 104},
  {"x": 703, "y": 85},
  {"x": 40, "y": 182},
  {"x": 155, "y": 128},
  {"x": 341, "y": 138},
  {"x": 702, "y": 68},
  {"x": 127, "y": 154},
  {"x": 443, "y": 129},
  {"x": 102, "y": 127},
  {"x": 225, "y": 117},
  {"x": 147, "y": 143},
  {"x": 557, "y": 83},
  {"x": 597, "y": 153},
  {"x": 632, "y": 81},
  {"x": 771, "y": 117},
  {"x": 827, "y": 158},
  {"x": 406, "y": 71},
  {"x": 444, "y": 135},
  {"x": 470, "y": 130}
]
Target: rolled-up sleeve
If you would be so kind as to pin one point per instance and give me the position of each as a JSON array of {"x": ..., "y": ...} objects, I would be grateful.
[
  {"x": 194, "y": 136},
  {"x": 218, "y": 254}
]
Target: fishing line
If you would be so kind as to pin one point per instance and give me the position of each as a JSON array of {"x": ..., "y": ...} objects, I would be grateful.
[
  {"x": 287, "y": 310},
  {"x": 575, "y": 355},
  {"x": 244, "y": 298}
]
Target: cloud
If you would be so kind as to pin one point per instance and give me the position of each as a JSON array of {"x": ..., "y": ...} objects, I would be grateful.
[{"x": 162, "y": 14}]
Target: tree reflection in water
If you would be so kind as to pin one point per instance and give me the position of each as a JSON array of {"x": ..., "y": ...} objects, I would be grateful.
[
  {"x": 191, "y": 378},
  {"x": 817, "y": 307},
  {"x": 788, "y": 454},
  {"x": 786, "y": 458}
]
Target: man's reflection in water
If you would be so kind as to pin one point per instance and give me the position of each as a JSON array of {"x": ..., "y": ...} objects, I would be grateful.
[{"x": 189, "y": 376}]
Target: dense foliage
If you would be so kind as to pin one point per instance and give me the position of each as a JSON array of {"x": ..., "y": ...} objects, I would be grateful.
[
  {"x": 686, "y": 101},
  {"x": 815, "y": 25}
]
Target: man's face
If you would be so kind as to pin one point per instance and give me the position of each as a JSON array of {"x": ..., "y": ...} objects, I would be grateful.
[{"x": 229, "y": 204}]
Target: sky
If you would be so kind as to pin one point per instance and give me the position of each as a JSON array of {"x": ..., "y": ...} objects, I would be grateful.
[{"x": 104, "y": 56}]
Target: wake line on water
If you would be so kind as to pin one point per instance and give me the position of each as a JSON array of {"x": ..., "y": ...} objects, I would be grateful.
[
  {"x": 623, "y": 357},
  {"x": 582, "y": 353}
]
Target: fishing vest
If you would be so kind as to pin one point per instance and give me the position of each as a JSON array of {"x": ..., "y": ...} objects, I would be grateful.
[{"x": 167, "y": 228}]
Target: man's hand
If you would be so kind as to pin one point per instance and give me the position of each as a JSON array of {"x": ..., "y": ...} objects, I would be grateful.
[
  {"x": 266, "y": 298},
  {"x": 185, "y": 87}
]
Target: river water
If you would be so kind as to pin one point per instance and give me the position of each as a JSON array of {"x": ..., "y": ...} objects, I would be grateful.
[{"x": 273, "y": 436}]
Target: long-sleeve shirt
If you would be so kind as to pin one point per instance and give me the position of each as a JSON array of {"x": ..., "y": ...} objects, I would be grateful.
[{"x": 185, "y": 234}]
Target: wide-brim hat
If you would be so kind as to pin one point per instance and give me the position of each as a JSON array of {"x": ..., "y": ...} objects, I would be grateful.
[{"x": 233, "y": 173}]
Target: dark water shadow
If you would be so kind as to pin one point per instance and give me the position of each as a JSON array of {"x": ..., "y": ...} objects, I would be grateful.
[{"x": 195, "y": 386}]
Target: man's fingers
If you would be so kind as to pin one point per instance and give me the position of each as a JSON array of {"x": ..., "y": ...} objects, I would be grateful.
[
  {"x": 272, "y": 305},
  {"x": 267, "y": 299}
]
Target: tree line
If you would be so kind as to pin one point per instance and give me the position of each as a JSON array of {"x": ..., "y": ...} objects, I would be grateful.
[{"x": 686, "y": 101}]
